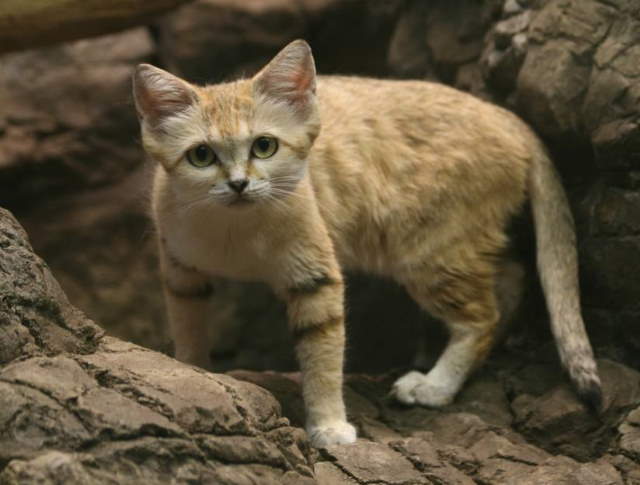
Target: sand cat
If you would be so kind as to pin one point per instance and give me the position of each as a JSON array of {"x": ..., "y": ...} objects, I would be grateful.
[{"x": 290, "y": 179}]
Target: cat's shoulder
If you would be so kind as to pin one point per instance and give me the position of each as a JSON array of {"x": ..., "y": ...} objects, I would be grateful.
[{"x": 391, "y": 96}]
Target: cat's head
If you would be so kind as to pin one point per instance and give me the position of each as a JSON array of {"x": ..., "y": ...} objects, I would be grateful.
[{"x": 233, "y": 144}]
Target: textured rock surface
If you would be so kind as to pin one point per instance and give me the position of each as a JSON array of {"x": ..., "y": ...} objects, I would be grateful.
[
  {"x": 214, "y": 40},
  {"x": 79, "y": 407},
  {"x": 570, "y": 69},
  {"x": 513, "y": 424},
  {"x": 67, "y": 122}
]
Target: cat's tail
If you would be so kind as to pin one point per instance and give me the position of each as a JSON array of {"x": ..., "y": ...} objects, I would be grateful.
[{"x": 558, "y": 269}]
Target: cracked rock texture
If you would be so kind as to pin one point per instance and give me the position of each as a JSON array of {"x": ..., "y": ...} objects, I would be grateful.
[
  {"x": 77, "y": 406},
  {"x": 570, "y": 68}
]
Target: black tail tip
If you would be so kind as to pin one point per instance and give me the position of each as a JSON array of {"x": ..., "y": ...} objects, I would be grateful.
[{"x": 591, "y": 395}]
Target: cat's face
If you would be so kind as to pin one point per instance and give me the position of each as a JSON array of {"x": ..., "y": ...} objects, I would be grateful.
[{"x": 236, "y": 144}]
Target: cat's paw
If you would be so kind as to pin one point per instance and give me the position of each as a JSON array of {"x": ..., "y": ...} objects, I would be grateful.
[
  {"x": 417, "y": 388},
  {"x": 335, "y": 433}
]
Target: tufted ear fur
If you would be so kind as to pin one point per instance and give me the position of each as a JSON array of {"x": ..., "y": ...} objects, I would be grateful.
[
  {"x": 290, "y": 77},
  {"x": 158, "y": 94}
]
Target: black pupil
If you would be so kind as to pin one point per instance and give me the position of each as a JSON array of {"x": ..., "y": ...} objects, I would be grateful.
[
  {"x": 202, "y": 152},
  {"x": 263, "y": 144}
]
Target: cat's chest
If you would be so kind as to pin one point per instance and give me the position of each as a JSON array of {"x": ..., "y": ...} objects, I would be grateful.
[{"x": 224, "y": 250}]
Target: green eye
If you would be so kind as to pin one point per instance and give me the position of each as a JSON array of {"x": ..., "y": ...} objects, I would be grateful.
[
  {"x": 201, "y": 156},
  {"x": 264, "y": 147}
]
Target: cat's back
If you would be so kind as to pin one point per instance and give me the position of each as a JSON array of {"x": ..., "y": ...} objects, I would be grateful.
[
  {"x": 357, "y": 105},
  {"x": 389, "y": 148}
]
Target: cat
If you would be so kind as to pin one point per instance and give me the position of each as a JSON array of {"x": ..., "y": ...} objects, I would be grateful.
[{"x": 289, "y": 179}]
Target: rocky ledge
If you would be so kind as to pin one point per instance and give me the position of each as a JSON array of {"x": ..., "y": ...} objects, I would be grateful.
[{"x": 77, "y": 406}]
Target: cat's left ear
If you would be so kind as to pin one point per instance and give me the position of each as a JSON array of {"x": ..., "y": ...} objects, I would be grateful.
[
  {"x": 159, "y": 94},
  {"x": 290, "y": 77}
]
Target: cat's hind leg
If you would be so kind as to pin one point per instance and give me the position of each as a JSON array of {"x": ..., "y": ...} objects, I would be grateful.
[{"x": 463, "y": 296}]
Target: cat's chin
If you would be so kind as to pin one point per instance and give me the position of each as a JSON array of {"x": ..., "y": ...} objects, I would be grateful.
[{"x": 240, "y": 203}]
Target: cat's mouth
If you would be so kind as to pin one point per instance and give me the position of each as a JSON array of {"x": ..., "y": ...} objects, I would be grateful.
[{"x": 240, "y": 201}]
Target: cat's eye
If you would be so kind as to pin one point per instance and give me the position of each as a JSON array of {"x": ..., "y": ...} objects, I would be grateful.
[
  {"x": 264, "y": 147},
  {"x": 201, "y": 156}
]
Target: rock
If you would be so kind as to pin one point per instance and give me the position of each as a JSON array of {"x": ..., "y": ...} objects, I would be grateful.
[
  {"x": 67, "y": 121},
  {"x": 449, "y": 446},
  {"x": 572, "y": 75},
  {"x": 436, "y": 40},
  {"x": 626, "y": 467},
  {"x": 556, "y": 470},
  {"x": 28, "y": 24},
  {"x": 588, "y": 92},
  {"x": 79, "y": 407},
  {"x": 616, "y": 213},
  {"x": 507, "y": 29},
  {"x": 213, "y": 40},
  {"x": 610, "y": 271},
  {"x": 555, "y": 418},
  {"x": 35, "y": 315},
  {"x": 630, "y": 433},
  {"x": 369, "y": 461},
  {"x": 425, "y": 456}
]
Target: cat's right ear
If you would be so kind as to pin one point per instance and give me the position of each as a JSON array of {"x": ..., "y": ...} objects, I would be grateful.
[{"x": 159, "y": 94}]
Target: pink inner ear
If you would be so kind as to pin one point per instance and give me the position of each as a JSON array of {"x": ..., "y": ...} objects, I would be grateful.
[
  {"x": 166, "y": 104},
  {"x": 303, "y": 80},
  {"x": 290, "y": 77},
  {"x": 159, "y": 95}
]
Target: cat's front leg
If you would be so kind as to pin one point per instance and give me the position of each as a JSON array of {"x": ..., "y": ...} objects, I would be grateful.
[
  {"x": 316, "y": 314},
  {"x": 187, "y": 298}
]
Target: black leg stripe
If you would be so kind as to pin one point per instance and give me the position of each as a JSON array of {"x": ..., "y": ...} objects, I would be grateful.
[
  {"x": 179, "y": 264},
  {"x": 300, "y": 332},
  {"x": 311, "y": 285}
]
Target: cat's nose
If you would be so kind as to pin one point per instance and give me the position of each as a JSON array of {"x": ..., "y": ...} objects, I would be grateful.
[{"x": 238, "y": 185}]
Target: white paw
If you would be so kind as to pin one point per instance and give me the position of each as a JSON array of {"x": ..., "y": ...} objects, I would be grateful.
[
  {"x": 402, "y": 389},
  {"x": 336, "y": 433},
  {"x": 417, "y": 388}
]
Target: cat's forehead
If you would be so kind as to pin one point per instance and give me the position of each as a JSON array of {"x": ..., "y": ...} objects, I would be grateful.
[{"x": 228, "y": 106}]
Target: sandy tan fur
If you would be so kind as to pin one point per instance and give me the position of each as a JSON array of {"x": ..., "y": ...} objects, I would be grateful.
[{"x": 411, "y": 180}]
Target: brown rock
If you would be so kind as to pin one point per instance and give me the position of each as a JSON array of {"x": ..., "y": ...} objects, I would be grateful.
[
  {"x": 77, "y": 407},
  {"x": 30, "y": 24},
  {"x": 67, "y": 117},
  {"x": 558, "y": 421},
  {"x": 437, "y": 39},
  {"x": 329, "y": 474},
  {"x": 368, "y": 461},
  {"x": 212, "y": 40}
]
